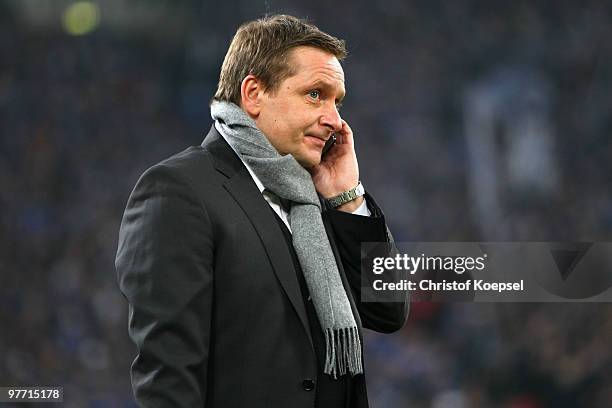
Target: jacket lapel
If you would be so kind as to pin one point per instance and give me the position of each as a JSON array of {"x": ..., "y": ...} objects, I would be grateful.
[{"x": 242, "y": 188}]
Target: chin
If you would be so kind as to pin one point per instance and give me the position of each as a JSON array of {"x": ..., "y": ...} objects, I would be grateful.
[{"x": 308, "y": 162}]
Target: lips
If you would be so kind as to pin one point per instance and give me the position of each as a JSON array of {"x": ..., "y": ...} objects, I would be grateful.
[{"x": 316, "y": 140}]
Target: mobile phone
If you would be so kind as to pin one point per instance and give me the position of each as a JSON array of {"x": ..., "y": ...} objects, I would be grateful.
[{"x": 328, "y": 144}]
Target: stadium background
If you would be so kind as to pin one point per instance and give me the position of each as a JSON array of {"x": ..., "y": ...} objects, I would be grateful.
[{"x": 473, "y": 120}]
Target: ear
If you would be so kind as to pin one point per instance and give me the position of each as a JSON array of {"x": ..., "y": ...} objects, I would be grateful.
[{"x": 251, "y": 91}]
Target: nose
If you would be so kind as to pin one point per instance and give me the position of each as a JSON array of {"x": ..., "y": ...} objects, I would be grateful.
[{"x": 331, "y": 118}]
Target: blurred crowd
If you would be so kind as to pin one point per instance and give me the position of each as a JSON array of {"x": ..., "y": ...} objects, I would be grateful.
[{"x": 82, "y": 117}]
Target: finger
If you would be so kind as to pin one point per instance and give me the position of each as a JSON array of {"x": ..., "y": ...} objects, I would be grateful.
[{"x": 347, "y": 133}]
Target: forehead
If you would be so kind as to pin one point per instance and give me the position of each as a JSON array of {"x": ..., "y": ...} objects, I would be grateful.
[{"x": 311, "y": 63}]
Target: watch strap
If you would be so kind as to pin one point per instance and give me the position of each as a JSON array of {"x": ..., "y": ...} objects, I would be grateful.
[{"x": 346, "y": 196}]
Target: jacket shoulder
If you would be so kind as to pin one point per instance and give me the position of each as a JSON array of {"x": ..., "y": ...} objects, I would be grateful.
[
  {"x": 191, "y": 161},
  {"x": 192, "y": 165}
]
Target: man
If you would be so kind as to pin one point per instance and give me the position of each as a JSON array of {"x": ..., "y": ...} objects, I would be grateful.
[{"x": 240, "y": 258}]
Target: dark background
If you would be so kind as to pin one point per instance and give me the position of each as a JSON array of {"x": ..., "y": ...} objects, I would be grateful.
[{"x": 473, "y": 120}]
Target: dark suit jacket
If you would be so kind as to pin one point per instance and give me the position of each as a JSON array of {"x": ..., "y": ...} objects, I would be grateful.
[{"x": 215, "y": 308}]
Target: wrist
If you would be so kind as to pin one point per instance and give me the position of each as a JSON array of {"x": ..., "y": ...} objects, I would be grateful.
[
  {"x": 347, "y": 200},
  {"x": 333, "y": 191},
  {"x": 351, "y": 206}
]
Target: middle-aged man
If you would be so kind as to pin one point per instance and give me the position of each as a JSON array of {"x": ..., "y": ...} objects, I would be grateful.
[{"x": 240, "y": 258}]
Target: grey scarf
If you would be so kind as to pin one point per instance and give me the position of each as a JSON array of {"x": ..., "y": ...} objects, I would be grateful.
[{"x": 286, "y": 178}]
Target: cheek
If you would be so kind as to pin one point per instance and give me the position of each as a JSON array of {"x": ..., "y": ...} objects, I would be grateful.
[
  {"x": 287, "y": 123},
  {"x": 290, "y": 126}
]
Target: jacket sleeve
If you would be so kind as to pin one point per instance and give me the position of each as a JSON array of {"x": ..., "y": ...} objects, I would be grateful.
[
  {"x": 350, "y": 232},
  {"x": 164, "y": 269}
]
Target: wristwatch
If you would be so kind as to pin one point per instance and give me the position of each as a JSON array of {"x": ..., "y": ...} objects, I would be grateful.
[{"x": 346, "y": 196}]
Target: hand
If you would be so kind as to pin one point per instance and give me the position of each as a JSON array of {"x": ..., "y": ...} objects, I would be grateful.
[{"x": 338, "y": 170}]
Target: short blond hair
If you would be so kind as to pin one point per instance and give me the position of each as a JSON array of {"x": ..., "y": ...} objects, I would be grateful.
[{"x": 261, "y": 48}]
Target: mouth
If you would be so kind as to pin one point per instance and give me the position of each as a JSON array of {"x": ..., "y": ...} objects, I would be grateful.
[{"x": 317, "y": 141}]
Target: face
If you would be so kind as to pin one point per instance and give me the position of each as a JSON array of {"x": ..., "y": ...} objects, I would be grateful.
[{"x": 302, "y": 113}]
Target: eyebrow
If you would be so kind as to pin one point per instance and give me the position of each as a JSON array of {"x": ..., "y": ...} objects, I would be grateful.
[{"x": 324, "y": 84}]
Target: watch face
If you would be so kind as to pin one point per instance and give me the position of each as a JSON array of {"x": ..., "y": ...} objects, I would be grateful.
[{"x": 360, "y": 190}]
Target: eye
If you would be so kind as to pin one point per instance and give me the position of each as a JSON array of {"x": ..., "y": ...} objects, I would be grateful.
[
  {"x": 314, "y": 94},
  {"x": 338, "y": 106}
]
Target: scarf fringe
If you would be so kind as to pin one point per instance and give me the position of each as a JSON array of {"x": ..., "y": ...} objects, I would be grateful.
[{"x": 343, "y": 352}]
